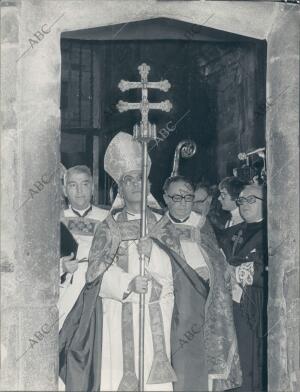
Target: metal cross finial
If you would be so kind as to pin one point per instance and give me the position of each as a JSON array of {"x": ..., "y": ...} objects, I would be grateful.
[{"x": 144, "y": 131}]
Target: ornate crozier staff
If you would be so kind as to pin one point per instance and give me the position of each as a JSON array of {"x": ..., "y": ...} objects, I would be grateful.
[
  {"x": 144, "y": 133},
  {"x": 186, "y": 149}
]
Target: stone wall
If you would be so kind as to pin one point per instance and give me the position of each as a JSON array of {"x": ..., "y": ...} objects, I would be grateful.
[
  {"x": 29, "y": 209},
  {"x": 283, "y": 202},
  {"x": 30, "y": 141}
]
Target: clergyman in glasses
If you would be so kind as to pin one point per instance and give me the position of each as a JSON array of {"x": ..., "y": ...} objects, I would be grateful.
[
  {"x": 207, "y": 342},
  {"x": 247, "y": 255}
]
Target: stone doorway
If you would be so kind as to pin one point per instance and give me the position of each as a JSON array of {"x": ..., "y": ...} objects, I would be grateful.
[
  {"x": 30, "y": 178},
  {"x": 218, "y": 100}
]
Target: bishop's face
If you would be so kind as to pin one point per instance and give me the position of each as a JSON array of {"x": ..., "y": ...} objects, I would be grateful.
[
  {"x": 130, "y": 187},
  {"x": 181, "y": 208}
]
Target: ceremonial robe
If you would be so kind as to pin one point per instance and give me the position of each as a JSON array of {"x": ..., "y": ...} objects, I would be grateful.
[
  {"x": 212, "y": 363},
  {"x": 82, "y": 350},
  {"x": 119, "y": 364},
  {"x": 83, "y": 229}
]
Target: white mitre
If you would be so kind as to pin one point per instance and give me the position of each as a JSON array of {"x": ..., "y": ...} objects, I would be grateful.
[{"x": 123, "y": 155}]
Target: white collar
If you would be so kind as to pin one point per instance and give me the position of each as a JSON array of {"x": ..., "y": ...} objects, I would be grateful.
[
  {"x": 193, "y": 219},
  {"x": 81, "y": 212}
]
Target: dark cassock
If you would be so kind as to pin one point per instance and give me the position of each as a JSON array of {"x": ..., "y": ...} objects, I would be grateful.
[
  {"x": 99, "y": 339},
  {"x": 230, "y": 225},
  {"x": 245, "y": 247}
]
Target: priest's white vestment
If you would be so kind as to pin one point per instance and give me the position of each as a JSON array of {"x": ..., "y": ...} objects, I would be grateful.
[{"x": 114, "y": 285}]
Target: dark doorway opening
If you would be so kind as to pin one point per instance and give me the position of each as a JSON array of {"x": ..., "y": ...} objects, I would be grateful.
[{"x": 218, "y": 95}]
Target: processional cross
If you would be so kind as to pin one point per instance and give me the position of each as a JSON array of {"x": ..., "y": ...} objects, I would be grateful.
[{"x": 144, "y": 133}]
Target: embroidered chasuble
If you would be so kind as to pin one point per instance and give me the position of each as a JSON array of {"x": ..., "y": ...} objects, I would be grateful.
[
  {"x": 119, "y": 368},
  {"x": 188, "y": 314},
  {"x": 82, "y": 225}
]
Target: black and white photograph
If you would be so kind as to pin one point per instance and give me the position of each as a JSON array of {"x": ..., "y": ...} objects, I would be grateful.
[{"x": 150, "y": 196}]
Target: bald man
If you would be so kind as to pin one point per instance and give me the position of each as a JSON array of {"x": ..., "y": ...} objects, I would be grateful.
[{"x": 246, "y": 252}]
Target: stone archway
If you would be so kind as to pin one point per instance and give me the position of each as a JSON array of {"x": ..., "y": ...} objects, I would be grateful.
[{"x": 30, "y": 155}]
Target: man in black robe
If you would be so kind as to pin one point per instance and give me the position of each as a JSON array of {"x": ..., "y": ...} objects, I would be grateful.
[{"x": 246, "y": 252}]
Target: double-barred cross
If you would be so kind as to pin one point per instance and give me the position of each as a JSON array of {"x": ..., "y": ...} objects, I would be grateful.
[{"x": 144, "y": 131}]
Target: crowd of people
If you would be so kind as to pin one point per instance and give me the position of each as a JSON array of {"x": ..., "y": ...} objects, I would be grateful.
[{"x": 205, "y": 284}]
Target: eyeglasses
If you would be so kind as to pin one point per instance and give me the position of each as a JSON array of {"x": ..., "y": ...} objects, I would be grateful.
[
  {"x": 250, "y": 200},
  {"x": 129, "y": 180},
  {"x": 178, "y": 198}
]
